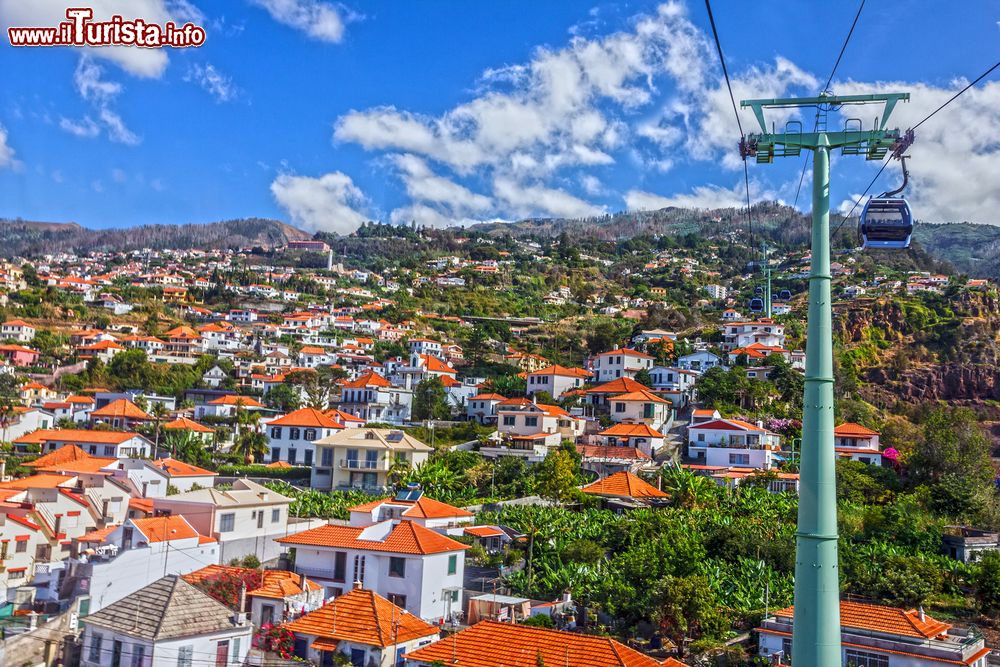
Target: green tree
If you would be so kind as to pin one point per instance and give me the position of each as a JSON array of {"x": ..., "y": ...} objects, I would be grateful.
[
  {"x": 953, "y": 444},
  {"x": 430, "y": 400},
  {"x": 685, "y": 609},
  {"x": 556, "y": 476},
  {"x": 987, "y": 582},
  {"x": 251, "y": 445},
  {"x": 644, "y": 377},
  {"x": 283, "y": 397},
  {"x": 510, "y": 386},
  {"x": 317, "y": 391}
]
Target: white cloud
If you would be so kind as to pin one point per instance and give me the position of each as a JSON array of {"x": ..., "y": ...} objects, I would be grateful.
[
  {"x": 118, "y": 175},
  {"x": 531, "y": 200},
  {"x": 592, "y": 185},
  {"x": 422, "y": 184},
  {"x": 330, "y": 203},
  {"x": 101, "y": 93},
  {"x": 6, "y": 152},
  {"x": 84, "y": 128},
  {"x": 954, "y": 158},
  {"x": 319, "y": 20},
  {"x": 702, "y": 197},
  {"x": 146, "y": 63},
  {"x": 214, "y": 82}
]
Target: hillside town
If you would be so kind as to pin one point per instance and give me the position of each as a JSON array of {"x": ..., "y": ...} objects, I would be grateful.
[{"x": 331, "y": 471}]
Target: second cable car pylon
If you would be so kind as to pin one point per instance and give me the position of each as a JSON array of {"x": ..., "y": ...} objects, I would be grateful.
[{"x": 816, "y": 625}]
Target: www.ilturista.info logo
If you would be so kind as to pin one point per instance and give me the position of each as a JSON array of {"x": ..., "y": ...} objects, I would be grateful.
[{"x": 81, "y": 30}]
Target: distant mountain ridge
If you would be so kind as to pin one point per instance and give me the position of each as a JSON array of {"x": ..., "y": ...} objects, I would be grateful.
[{"x": 30, "y": 239}]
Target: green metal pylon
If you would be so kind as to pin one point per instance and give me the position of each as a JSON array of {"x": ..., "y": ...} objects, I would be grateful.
[{"x": 816, "y": 629}]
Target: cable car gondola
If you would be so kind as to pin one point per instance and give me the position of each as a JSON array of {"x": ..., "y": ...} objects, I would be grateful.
[
  {"x": 758, "y": 290},
  {"x": 756, "y": 305},
  {"x": 785, "y": 295},
  {"x": 886, "y": 221}
]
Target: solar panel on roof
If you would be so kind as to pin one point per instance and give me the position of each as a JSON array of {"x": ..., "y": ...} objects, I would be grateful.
[{"x": 409, "y": 495}]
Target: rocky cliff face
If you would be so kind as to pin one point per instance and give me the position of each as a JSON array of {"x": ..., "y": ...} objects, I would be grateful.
[{"x": 940, "y": 350}]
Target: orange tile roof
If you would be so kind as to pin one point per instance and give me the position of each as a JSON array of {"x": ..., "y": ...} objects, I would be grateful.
[
  {"x": 369, "y": 379},
  {"x": 488, "y": 397},
  {"x": 305, "y": 417},
  {"x": 632, "y": 431},
  {"x": 851, "y": 428},
  {"x": 435, "y": 365},
  {"x": 341, "y": 417},
  {"x": 185, "y": 424},
  {"x": 643, "y": 395},
  {"x": 98, "y": 534},
  {"x": 556, "y": 369},
  {"x": 41, "y": 481},
  {"x": 623, "y": 485},
  {"x": 142, "y": 504},
  {"x": 628, "y": 352},
  {"x": 91, "y": 464},
  {"x": 422, "y": 508},
  {"x": 362, "y": 617},
  {"x": 164, "y": 528},
  {"x": 405, "y": 537},
  {"x": 618, "y": 386},
  {"x": 64, "y": 454},
  {"x": 74, "y": 435},
  {"x": 121, "y": 408},
  {"x": 888, "y": 620},
  {"x": 176, "y": 468},
  {"x": 80, "y": 399},
  {"x": 230, "y": 399},
  {"x": 488, "y": 644},
  {"x": 483, "y": 531},
  {"x": 182, "y": 332},
  {"x": 728, "y": 425},
  {"x": 279, "y": 464}
]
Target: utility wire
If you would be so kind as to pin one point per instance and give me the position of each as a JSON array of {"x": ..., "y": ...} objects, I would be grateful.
[
  {"x": 732, "y": 98},
  {"x": 924, "y": 120},
  {"x": 826, "y": 87}
]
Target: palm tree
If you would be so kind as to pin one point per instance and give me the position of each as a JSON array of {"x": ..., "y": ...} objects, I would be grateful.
[
  {"x": 158, "y": 412},
  {"x": 251, "y": 445},
  {"x": 687, "y": 489}
]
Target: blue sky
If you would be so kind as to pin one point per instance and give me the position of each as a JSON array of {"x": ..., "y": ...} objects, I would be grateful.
[{"x": 327, "y": 114}]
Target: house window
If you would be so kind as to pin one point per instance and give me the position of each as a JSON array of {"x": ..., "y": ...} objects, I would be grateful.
[
  {"x": 786, "y": 650},
  {"x": 227, "y": 522},
  {"x": 857, "y": 658},
  {"x": 291, "y": 455},
  {"x": 310, "y": 434},
  {"x": 275, "y": 454},
  {"x": 95, "y": 647},
  {"x": 397, "y": 566},
  {"x": 275, "y": 515},
  {"x": 184, "y": 656},
  {"x": 619, "y": 407},
  {"x": 359, "y": 568},
  {"x": 293, "y": 434},
  {"x": 308, "y": 457},
  {"x": 453, "y": 564},
  {"x": 701, "y": 437},
  {"x": 339, "y": 566},
  {"x": 22, "y": 547},
  {"x": 138, "y": 655},
  {"x": 508, "y": 420},
  {"x": 397, "y": 599},
  {"x": 326, "y": 457},
  {"x": 236, "y": 651},
  {"x": 531, "y": 421},
  {"x": 739, "y": 459},
  {"x": 276, "y": 432},
  {"x": 647, "y": 410},
  {"x": 109, "y": 450}
]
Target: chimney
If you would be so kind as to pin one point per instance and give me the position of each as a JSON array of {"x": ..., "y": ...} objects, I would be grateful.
[
  {"x": 243, "y": 597},
  {"x": 358, "y": 585},
  {"x": 923, "y": 616}
]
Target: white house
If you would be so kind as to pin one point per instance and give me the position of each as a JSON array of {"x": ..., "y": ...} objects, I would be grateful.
[
  {"x": 291, "y": 436},
  {"x": 374, "y": 398},
  {"x": 414, "y": 567},
  {"x": 618, "y": 363},
  {"x": 635, "y": 436},
  {"x": 699, "y": 361},
  {"x": 244, "y": 519},
  {"x": 361, "y": 458},
  {"x": 556, "y": 380},
  {"x": 17, "y": 330},
  {"x": 641, "y": 407},
  {"x": 424, "y": 346},
  {"x": 857, "y": 443},
  {"x": 731, "y": 442},
  {"x": 185, "y": 476},
  {"x": 531, "y": 430},
  {"x": 483, "y": 407},
  {"x": 168, "y": 622},
  {"x": 764, "y": 331},
  {"x": 877, "y": 636},
  {"x": 112, "y": 444}
]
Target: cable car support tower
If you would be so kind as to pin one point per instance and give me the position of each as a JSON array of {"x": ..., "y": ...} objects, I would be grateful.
[{"x": 816, "y": 630}]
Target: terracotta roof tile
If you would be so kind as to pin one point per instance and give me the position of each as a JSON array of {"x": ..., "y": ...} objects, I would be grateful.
[
  {"x": 632, "y": 431},
  {"x": 176, "y": 468},
  {"x": 306, "y": 417},
  {"x": 622, "y": 385},
  {"x": 362, "y": 617},
  {"x": 185, "y": 424},
  {"x": 891, "y": 620},
  {"x": 75, "y": 435},
  {"x": 610, "y": 452},
  {"x": 121, "y": 408},
  {"x": 405, "y": 537},
  {"x": 623, "y": 485},
  {"x": 488, "y": 644},
  {"x": 850, "y": 428}
]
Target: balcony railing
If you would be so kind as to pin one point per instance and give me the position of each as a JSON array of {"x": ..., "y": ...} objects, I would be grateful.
[{"x": 362, "y": 464}]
